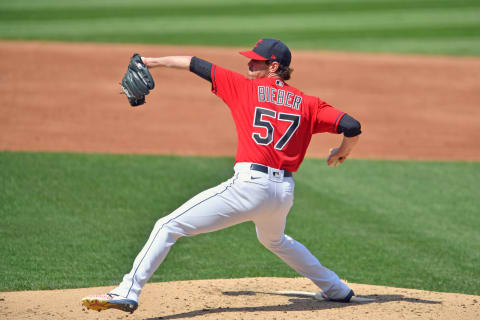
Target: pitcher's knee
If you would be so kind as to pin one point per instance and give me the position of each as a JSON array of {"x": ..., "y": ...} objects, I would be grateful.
[
  {"x": 272, "y": 243},
  {"x": 172, "y": 229}
]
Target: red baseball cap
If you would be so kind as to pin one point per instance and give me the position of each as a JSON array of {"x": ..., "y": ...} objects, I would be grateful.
[{"x": 270, "y": 49}]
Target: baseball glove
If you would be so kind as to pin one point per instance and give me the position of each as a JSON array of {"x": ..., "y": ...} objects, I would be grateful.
[{"x": 137, "y": 81}]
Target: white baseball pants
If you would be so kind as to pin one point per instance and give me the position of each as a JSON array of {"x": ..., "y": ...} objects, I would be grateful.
[{"x": 249, "y": 195}]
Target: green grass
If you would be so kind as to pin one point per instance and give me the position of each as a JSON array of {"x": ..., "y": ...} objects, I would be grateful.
[
  {"x": 407, "y": 26},
  {"x": 78, "y": 220}
]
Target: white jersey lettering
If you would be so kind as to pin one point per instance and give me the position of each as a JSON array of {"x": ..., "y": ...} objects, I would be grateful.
[
  {"x": 296, "y": 102},
  {"x": 261, "y": 94},
  {"x": 273, "y": 96},
  {"x": 289, "y": 98},
  {"x": 279, "y": 97}
]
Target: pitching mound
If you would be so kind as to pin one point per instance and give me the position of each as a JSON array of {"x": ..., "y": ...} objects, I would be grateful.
[{"x": 248, "y": 298}]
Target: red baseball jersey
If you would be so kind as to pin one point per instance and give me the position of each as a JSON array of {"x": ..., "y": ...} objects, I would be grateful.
[{"x": 274, "y": 121}]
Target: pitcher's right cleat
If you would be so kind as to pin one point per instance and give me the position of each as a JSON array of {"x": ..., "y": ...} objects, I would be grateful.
[{"x": 109, "y": 301}]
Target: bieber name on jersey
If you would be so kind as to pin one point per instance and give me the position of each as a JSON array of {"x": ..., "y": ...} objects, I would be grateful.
[{"x": 279, "y": 97}]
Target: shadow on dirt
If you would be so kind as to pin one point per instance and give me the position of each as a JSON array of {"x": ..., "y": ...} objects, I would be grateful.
[{"x": 296, "y": 304}]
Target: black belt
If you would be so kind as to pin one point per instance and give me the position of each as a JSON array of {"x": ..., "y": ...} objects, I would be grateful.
[{"x": 264, "y": 169}]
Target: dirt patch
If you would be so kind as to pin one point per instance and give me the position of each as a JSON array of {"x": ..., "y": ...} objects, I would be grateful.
[
  {"x": 249, "y": 298},
  {"x": 65, "y": 97}
]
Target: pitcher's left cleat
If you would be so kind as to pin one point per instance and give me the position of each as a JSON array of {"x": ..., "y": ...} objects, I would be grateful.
[
  {"x": 321, "y": 296},
  {"x": 109, "y": 301},
  {"x": 350, "y": 297}
]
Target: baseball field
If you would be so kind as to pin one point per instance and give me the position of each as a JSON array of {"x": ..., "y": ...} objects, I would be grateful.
[{"x": 84, "y": 177}]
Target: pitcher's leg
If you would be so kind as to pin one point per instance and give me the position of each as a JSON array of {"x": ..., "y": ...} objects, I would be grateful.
[
  {"x": 147, "y": 261},
  {"x": 208, "y": 211},
  {"x": 270, "y": 228},
  {"x": 299, "y": 258}
]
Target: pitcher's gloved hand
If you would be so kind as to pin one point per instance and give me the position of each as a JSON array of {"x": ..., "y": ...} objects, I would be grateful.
[{"x": 137, "y": 81}]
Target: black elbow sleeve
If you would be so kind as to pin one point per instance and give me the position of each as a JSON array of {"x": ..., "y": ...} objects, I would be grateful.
[
  {"x": 349, "y": 126},
  {"x": 201, "y": 68}
]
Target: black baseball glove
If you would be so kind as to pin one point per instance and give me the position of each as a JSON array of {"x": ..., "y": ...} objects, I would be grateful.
[{"x": 137, "y": 81}]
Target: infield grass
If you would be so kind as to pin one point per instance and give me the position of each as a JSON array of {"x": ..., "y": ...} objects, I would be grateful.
[
  {"x": 78, "y": 220},
  {"x": 407, "y": 26}
]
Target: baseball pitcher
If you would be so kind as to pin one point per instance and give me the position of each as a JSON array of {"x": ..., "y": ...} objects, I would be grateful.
[{"x": 274, "y": 123}]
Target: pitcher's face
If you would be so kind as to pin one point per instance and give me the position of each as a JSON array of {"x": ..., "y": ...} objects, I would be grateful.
[{"x": 257, "y": 69}]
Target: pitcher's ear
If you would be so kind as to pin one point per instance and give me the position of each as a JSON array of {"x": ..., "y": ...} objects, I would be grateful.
[{"x": 273, "y": 66}]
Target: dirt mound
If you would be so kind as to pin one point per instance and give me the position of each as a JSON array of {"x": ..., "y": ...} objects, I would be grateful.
[{"x": 248, "y": 298}]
